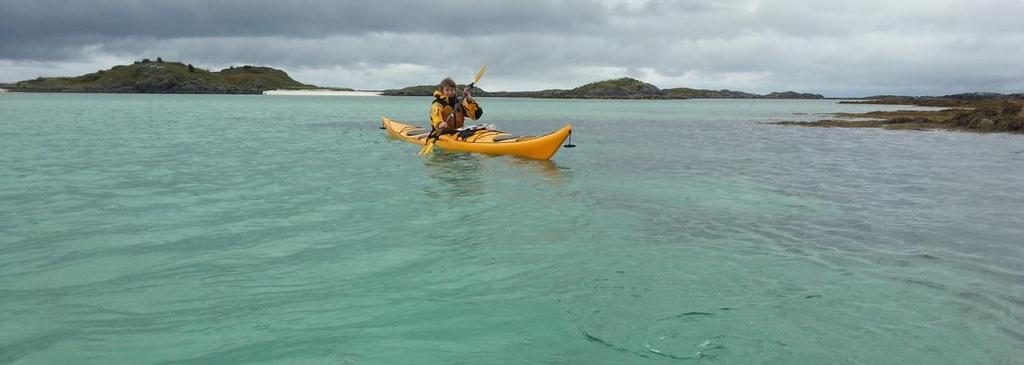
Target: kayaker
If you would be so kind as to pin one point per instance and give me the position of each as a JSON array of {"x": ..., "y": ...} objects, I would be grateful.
[{"x": 444, "y": 115}]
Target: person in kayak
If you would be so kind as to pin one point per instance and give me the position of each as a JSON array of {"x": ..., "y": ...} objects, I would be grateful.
[{"x": 447, "y": 112}]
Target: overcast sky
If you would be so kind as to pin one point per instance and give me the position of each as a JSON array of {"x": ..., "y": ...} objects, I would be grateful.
[{"x": 836, "y": 48}]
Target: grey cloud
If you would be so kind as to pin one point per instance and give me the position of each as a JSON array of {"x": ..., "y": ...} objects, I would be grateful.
[
  {"x": 62, "y": 25},
  {"x": 835, "y": 48}
]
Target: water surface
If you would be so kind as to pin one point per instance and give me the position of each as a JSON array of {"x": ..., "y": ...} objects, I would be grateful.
[{"x": 152, "y": 229}]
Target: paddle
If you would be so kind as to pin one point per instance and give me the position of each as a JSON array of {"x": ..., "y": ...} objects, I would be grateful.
[{"x": 435, "y": 134}]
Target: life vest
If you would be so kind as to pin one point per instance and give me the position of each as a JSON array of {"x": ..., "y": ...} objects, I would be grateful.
[{"x": 443, "y": 109}]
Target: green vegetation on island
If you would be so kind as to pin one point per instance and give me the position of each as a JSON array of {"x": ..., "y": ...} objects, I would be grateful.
[
  {"x": 974, "y": 112},
  {"x": 428, "y": 90},
  {"x": 169, "y": 78},
  {"x": 954, "y": 100},
  {"x": 624, "y": 88},
  {"x": 688, "y": 93}
]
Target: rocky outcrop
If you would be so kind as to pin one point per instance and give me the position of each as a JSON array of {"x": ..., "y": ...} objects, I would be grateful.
[{"x": 972, "y": 115}]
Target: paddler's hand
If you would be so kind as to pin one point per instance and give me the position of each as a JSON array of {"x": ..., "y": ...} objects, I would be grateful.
[
  {"x": 442, "y": 126},
  {"x": 467, "y": 95}
]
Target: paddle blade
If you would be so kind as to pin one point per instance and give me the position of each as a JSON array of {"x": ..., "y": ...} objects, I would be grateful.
[
  {"x": 427, "y": 148},
  {"x": 479, "y": 74}
]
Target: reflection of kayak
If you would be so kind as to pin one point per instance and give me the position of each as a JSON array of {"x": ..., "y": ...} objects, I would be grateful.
[{"x": 487, "y": 141}]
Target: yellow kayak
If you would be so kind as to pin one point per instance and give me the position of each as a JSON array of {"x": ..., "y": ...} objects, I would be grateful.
[{"x": 486, "y": 141}]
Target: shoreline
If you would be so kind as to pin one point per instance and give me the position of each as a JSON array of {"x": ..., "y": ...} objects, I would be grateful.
[
  {"x": 976, "y": 116},
  {"x": 321, "y": 92}
]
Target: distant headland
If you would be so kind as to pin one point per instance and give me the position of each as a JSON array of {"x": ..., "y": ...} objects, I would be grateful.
[
  {"x": 162, "y": 77},
  {"x": 159, "y": 77},
  {"x": 624, "y": 88}
]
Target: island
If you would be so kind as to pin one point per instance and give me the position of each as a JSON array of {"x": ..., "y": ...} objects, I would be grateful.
[
  {"x": 158, "y": 76},
  {"x": 976, "y": 112},
  {"x": 168, "y": 78},
  {"x": 623, "y": 88},
  {"x": 972, "y": 112}
]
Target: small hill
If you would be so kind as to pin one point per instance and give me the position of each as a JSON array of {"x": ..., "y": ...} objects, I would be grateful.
[
  {"x": 624, "y": 88},
  {"x": 167, "y": 77}
]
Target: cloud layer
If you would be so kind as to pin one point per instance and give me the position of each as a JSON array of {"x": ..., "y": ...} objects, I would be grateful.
[{"x": 835, "y": 48}]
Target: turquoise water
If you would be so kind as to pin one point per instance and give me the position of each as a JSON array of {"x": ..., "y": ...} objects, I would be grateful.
[{"x": 153, "y": 229}]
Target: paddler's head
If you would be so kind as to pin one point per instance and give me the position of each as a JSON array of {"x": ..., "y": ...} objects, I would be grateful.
[{"x": 447, "y": 87}]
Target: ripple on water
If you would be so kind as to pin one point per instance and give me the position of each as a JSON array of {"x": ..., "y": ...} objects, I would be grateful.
[{"x": 285, "y": 230}]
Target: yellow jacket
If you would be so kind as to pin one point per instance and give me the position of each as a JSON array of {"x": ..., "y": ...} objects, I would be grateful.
[{"x": 442, "y": 108}]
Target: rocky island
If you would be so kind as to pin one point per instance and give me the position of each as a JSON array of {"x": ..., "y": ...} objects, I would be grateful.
[
  {"x": 167, "y": 78},
  {"x": 972, "y": 112},
  {"x": 624, "y": 88}
]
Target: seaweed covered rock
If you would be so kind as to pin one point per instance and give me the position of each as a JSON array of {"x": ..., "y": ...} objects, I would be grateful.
[{"x": 1003, "y": 116}]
